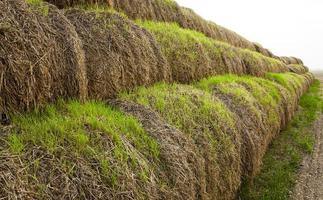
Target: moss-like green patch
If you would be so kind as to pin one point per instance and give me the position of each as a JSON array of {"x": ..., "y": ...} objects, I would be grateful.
[
  {"x": 39, "y": 5},
  {"x": 282, "y": 160},
  {"x": 99, "y": 9}
]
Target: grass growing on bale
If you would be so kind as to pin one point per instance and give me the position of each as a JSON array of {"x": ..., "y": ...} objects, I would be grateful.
[
  {"x": 39, "y": 4},
  {"x": 207, "y": 121},
  {"x": 189, "y": 50},
  {"x": 170, "y": 3},
  {"x": 298, "y": 68},
  {"x": 168, "y": 33},
  {"x": 256, "y": 60},
  {"x": 288, "y": 80},
  {"x": 84, "y": 130},
  {"x": 99, "y": 9},
  {"x": 294, "y": 83},
  {"x": 282, "y": 160},
  {"x": 181, "y": 100},
  {"x": 257, "y": 103},
  {"x": 264, "y": 91}
]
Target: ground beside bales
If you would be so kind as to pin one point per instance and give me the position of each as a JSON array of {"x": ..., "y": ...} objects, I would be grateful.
[{"x": 310, "y": 181}]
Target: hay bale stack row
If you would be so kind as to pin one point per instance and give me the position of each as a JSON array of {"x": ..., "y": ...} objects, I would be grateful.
[
  {"x": 230, "y": 119},
  {"x": 170, "y": 11},
  {"x": 193, "y": 56},
  {"x": 45, "y": 55},
  {"x": 167, "y": 141},
  {"x": 98, "y": 53},
  {"x": 294, "y": 65},
  {"x": 41, "y": 56}
]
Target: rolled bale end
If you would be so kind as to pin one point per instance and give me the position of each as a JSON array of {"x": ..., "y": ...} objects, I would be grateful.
[
  {"x": 119, "y": 54},
  {"x": 41, "y": 56}
]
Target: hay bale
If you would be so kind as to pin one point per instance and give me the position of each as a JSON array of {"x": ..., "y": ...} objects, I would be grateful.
[
  {"x": 41, "y": 56},
  {"x": 297, "y": 68},
  {"x": 180, "y": 162},
  {"x": 79, "y": 151},
  {"x": 258, "y": 108},
  {"x": 252, "y": 127},
  {"x": 119, "y": 54},
  {"x": 209, "y": 123},
  {"x": 291, "y": 60},
  {"x": 258, "y": 105},
  {"x": 185, "y": 53}
]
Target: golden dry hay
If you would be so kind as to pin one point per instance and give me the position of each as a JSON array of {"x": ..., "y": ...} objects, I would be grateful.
[
  {"x": 119, "y": 54},
  {"x": 41, "y": 56}
]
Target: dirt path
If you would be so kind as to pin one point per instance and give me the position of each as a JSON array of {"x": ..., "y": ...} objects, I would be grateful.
[{"x": 310, "y": 182}]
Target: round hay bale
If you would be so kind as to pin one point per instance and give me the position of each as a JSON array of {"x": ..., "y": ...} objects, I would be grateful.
[
  {"x": 250, "y": 123},
  {"x": 41, "y": 56},
  {"x": 297, "y": 68},
  {"x": 209, "y": 123},
  {"x": 178, "y": 154},
  {"x": 291, "y": 60},
  {"x": 119, "y": 54}
]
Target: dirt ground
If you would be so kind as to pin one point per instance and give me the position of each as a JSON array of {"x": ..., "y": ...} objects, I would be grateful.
[{"x": 310, "y": 182}]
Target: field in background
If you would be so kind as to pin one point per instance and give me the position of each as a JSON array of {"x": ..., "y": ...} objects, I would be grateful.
[{"x": 318, "y": 74}]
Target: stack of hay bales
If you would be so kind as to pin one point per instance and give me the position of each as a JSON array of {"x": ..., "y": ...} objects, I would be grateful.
[
  {"x": 294, "y": 64},
  {"x": 170, "y": 11},
  {"x": 192, "y": 56},
  {"x": 44, "y": 58},
  {"x": 230, "y": 119},
  {"x": 172, "y": 141},
  {"x": 41, "y": 56},
  {"x": 167, "y": 141}
]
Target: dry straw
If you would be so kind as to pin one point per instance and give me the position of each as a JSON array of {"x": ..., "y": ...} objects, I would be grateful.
[
  {"x": 119, "y": 54},
  {"x": 41, "y": 56}
]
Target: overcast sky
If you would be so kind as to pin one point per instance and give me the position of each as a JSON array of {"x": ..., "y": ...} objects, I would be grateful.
[{"x": 286, "y": 27}]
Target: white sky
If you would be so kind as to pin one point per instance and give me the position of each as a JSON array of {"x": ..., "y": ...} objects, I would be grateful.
[{"x": 286, "y": 27}]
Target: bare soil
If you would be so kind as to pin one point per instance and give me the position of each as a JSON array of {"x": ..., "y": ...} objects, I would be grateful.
[{"x": 310, "y": 182}]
